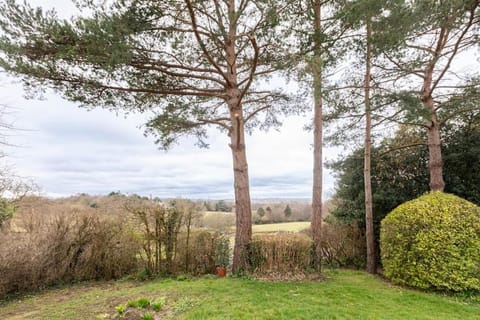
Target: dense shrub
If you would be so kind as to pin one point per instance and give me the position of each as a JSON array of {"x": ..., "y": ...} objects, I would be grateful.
[
  {"x": 281, "y": 253},
  {"x": 65, "y": 248},
  {"x": 343, "y": 245},
  {"x": 199, "y": 256},
  {"x": 433, "y": 242}
]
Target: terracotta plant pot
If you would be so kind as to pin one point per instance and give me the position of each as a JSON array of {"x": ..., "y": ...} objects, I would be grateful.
[{"x": 221, "y": 272}]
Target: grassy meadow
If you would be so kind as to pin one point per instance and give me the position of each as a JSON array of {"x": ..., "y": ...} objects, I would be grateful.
[
  {"x": 343, "y": 295},
  {"x": 278, "y": 227}
]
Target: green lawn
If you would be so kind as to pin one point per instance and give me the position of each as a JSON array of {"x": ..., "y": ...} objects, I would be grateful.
[
  {"x": 275, "y": 227},
  {"x": 345, "y": 295}
]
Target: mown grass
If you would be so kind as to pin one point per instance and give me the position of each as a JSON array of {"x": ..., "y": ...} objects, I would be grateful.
[
  {"x": 344, "y": 295},
  {"x": 276, "y": 227}
]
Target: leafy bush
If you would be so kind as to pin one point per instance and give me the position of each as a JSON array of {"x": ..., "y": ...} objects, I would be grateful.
[
  {"x": 433, "y": 242},
  {"x": 7, "y": 210},
  {"x": 222, "y": 252},
  {"x": 280, "y": 253}
]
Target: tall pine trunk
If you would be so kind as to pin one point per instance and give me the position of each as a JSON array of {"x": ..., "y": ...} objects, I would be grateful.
[
  {"x": 316, "y": 67},
  {"x": 371, "y": 264},
  {"x": 243, "y": 211},
  {"x": 435, "y": 163}
]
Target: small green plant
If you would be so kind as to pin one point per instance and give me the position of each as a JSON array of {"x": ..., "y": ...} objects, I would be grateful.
[
  {"x": 147, "y": 316},
  {"x": 182, "y": 277},
  {"x": 143, "y": 303},
  {"x": 145, "y": 274},
  {"x": 158, "y": 304},
  {"x": 121, "y": 309},
  {"x": 222, "y": 252},
  {"x": 132, "y": 304}
]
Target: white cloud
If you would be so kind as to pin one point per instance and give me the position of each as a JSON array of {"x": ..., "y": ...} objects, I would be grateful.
[{"x": 69, "y": 150}]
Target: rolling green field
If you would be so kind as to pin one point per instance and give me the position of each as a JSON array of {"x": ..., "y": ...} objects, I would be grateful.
[
  {"x": 344, "y": 295},
  {"x": 276, "y": 227}
]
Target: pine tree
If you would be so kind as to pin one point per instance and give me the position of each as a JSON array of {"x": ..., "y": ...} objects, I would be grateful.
[
  {"x": 287, "y": 211},
  {"x": 260, "y": 212},
  {"x": 193, "y": 64}
]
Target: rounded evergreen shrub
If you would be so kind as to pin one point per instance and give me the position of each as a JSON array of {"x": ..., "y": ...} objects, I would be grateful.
[{"x": 433, "y": 242}]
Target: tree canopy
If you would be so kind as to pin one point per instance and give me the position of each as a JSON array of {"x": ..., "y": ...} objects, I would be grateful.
[
  {"x": 190, "y": 64},
  {"x": 400, "y": 175}
]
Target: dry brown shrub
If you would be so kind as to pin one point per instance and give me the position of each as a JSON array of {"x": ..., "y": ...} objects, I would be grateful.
[
  {"x": 198, "y": 257},
  {"x": 281, "y": 253},
  {"x": 343, "y": 245},
  {"x": 65, "y": 247}
]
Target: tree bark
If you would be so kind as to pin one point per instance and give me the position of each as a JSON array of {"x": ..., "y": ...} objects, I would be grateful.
[
  {"x": 435, "y": 163},
  {"x": 371, "y": 264},
  {"x": 243, "y": 211},
  {"x": 316, "y": 65}
]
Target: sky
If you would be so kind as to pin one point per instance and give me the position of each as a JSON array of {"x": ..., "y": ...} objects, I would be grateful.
[{"x": 68, "y": 150}]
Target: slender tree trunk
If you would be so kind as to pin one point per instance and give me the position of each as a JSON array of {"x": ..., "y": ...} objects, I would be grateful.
[
  {"x": 158, "y": 243},
  {"x": 316, "y": 224},
  {"x": 371, "y": 265},
  {"x": 435, "y": 163},
  {"x": 243, "y": 211},
  {"x": 187, "y": 245}
]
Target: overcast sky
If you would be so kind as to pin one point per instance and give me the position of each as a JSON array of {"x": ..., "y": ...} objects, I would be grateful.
[{"x": 68, "y": 150}]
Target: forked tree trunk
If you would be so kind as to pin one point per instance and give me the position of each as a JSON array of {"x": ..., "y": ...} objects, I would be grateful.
[
  {"x": 316, "y": 224},
  {"x": 371, "y": 264},
  {"x": 243, "y": 211}
]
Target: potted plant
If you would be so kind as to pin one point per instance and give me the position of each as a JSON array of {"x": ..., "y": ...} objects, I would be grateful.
[{"x": 222, "y": 255}]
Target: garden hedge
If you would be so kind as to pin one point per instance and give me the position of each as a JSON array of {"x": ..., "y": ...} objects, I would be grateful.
[{"x": 433, "y": 242}]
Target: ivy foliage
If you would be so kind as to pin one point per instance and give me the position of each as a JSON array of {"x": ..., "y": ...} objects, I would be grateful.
[{"x": 433, "y": 242}]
